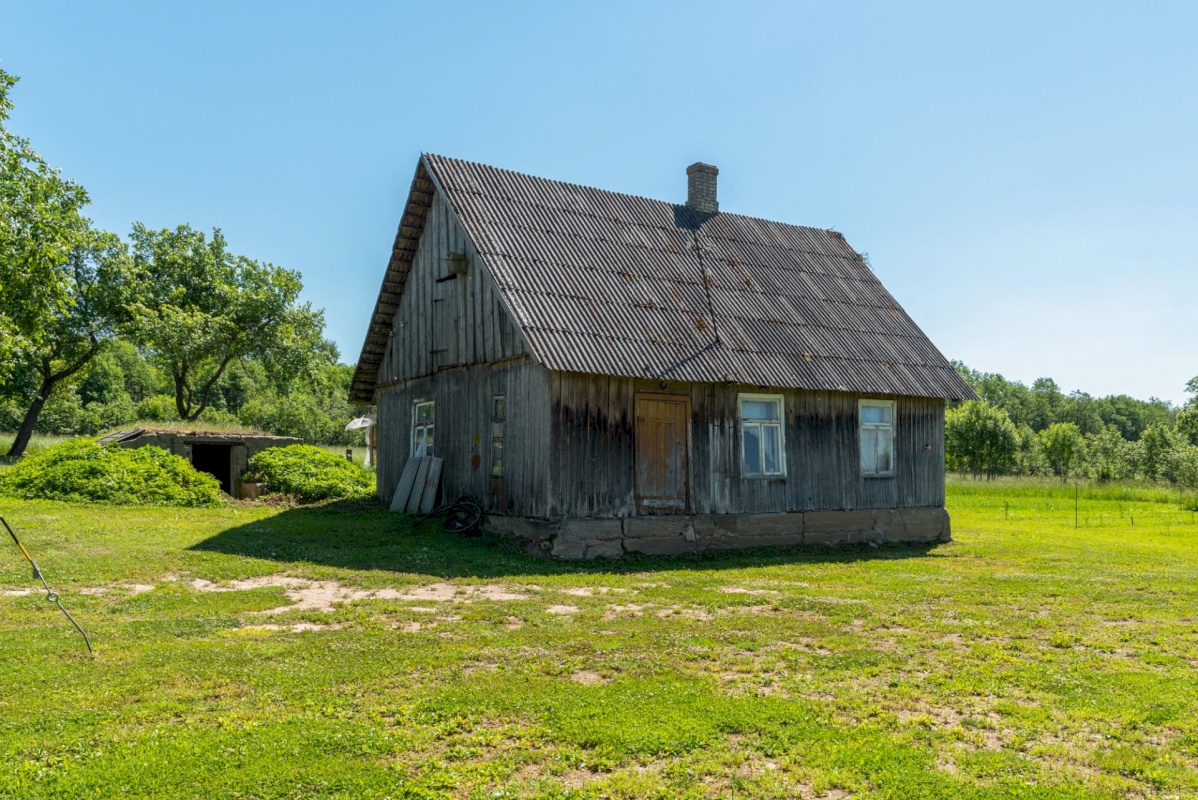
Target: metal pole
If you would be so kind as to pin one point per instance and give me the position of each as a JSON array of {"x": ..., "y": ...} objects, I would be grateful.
[{"x": 51, "y": 595}]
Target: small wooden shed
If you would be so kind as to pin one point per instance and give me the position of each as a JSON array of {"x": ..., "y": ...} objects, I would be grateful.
[
  {"x": 223, "y": 455},
  {"x": 612, "y": 374}
]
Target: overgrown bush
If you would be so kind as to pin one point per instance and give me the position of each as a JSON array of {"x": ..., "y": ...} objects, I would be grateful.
[
  {"x": 309, "y": 474},
  {"x": 82, "y": 471}
]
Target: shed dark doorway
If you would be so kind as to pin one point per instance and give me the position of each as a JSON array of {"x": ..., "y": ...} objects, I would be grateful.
[
  {"x": 216, "y": 460},
  {"x": 662, "y": 448}
]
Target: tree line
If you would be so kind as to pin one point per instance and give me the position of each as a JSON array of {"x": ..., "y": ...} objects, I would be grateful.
[
  {"x": 171, "y": 325},
  {"x": 1015, "y": 429}
]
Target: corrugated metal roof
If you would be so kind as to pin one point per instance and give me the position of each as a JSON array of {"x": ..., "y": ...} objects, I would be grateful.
[{"x": 608, "y": 283}]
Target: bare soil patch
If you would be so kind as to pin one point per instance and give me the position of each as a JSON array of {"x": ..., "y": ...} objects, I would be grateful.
[{"x": 307, "y": 595}]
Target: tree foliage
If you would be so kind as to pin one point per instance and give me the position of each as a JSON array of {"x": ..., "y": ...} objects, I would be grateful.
[
  {"x": 95, "y": 278},
  {"x": 980, "y": 439},
  {"x": 40, "y": 224},
  {"x": 1110, "y": 457},
  {"x": 204, "y": 308},
  {"x": 1063, "y": 447},
  {"x": 1106, "y": 438}
]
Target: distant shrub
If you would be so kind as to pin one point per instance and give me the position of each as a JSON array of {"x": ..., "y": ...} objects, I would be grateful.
[
  {"x": 157, "y": 408},
  {"x": 80, "y": 470},
  {"x": 309, "y": 474}
]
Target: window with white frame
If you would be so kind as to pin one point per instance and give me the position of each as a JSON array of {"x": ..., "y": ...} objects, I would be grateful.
[
  {"x": 762, "y": 446},
  {"x": 422, "y": 428},
  {"x": 877, "y": 437}
]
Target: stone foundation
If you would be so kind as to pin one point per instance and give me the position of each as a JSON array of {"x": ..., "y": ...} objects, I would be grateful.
[{"x": 701, "y": 533}]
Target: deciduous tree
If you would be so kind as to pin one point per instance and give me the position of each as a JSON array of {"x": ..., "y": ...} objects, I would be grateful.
[
  {"x": 40, "y": 223},
  {"x": 1063, "y": 447},
  {"x": 205, "y": 307},
  {"x": 95, "y": 277},
  {"x": 980, "y": 438}
]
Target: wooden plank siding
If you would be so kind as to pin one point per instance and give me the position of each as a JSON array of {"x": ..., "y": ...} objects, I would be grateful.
[
  {"x": 462, "y": 436},
  {"x": 454, "y": 343},
  {"x": 593, "y": 448},
  {"x": 445, "y": 320}
]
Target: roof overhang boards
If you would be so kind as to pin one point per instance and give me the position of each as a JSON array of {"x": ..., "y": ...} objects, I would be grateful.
[{"x": 407, "y": 238}]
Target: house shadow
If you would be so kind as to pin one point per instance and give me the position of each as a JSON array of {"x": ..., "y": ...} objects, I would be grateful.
[{"x": 364, "y": 535}]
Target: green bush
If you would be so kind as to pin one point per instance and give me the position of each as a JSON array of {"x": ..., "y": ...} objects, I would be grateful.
[
  {"x": 80, "y": 470},
  {"x": 309, "y": 474}
]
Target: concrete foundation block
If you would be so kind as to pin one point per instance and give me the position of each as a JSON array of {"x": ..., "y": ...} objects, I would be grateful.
[
  {"x": 661, "y": 546},
  {"x": 597, "y": 529},
  {"x": 821, "y": 522},
  {"x": 532, "y": 530},
  {"x": 749, "y": 541},
  {"x": 606, "y": 548},
  {"x": 686, "y": 535},
  {"x": 665, "y": 526},
  {"x": 568, "y": 550}
]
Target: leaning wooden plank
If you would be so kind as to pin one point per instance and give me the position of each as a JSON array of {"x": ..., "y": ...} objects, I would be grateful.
[
  {"x": 431, "y": 483},
  {"x": 418, "y": 486},
  {"x": 399, "y": 501}
]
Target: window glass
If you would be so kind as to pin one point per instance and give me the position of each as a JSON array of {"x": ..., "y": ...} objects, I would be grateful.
[
  {"x": 422, "y": 429},
  {"x": 876, "y": 432},
  {"x": 498, "y": 412},
  {"x": 761, "y": 435},
  {"x": 759, "y": 409},
  {"x": 752, "y": 434},
  {"x": 770, "y": 451},
  {"x": 875, "y": 413},
  {"x": 497, "y": 457}
]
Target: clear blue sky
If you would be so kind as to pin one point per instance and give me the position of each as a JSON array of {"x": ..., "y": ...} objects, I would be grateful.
[{"x": 1023, "y": 175}]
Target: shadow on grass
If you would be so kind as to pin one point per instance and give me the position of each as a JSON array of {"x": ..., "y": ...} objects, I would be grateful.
[{"x": 364, "y": 535}]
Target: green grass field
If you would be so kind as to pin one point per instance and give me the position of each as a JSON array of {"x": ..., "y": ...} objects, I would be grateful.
[{"x": 1028, "y": 658}]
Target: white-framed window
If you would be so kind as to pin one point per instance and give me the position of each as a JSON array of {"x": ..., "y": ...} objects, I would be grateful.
[
  {"x": 423, "y": 418},
  {"x": 762, "y": 443},
  {"x": 876, "y": 428}
]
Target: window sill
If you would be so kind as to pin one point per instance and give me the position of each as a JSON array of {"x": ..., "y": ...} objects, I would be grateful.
[{"x": 879, "y": 476}]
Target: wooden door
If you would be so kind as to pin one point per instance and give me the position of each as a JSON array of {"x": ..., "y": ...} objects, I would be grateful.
[{"x": 662, "y": 454}]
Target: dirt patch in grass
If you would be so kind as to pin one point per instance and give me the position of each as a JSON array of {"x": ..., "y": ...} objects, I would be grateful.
[
  {"x": 299, "y": 627},
  {"x": 562, "y": 610},
  {"x": 587, "y": 677},
  {"x": 743, "y": 590},
  {"x": 630, "y": 610},
  {"x": 132, "y": 588},
  {"x": 307, "y": 595},
  {"x": 591, "y": 591},
  {"x": 689, "y": 613}
]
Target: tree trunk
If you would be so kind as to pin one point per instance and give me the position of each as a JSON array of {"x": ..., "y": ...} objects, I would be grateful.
[
  {"x": 50, "y": 379},
  {"x": 26, "y": 431}
]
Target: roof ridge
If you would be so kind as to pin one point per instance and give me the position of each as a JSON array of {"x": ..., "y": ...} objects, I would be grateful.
[{"x": 646, "y": 198}]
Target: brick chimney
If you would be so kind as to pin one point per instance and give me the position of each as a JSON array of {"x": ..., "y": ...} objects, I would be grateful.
[{"x": 700, "y": 188}]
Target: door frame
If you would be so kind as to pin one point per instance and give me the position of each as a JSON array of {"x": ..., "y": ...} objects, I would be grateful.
[{"x": 685, "y": 399}]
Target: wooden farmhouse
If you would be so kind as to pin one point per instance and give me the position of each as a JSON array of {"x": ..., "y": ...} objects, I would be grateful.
[{"x": 610, "y": 374}]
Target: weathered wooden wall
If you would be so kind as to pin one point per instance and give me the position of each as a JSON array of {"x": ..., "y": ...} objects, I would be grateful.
[
  {"x": 463, "y": 434},
  {"x": 446, "y": 320},
  {"x": 454, "y": 343},
  {"x": 592, "y": 451}
]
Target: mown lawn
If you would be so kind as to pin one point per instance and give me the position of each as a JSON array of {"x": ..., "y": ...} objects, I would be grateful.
[{"x": 1028, "y": 658}]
